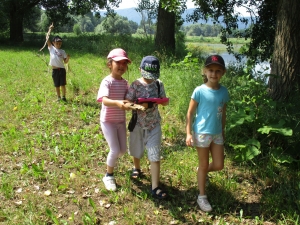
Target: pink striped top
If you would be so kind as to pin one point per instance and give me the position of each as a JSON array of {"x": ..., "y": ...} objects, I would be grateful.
[{"x": 115, "y": 90}]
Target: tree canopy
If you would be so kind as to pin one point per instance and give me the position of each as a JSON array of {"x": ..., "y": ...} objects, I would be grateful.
[
  {"x": 116, "y": 25},
  {"x": 261, "y": 18},
  {"x": 273, "y": 36},
  {"x": 58, "y": 11}
]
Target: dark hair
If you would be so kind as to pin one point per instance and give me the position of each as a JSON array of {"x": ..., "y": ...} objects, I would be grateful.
[
  {"x": 110, "y": 61},
  {"x": 56, "y": 38}
]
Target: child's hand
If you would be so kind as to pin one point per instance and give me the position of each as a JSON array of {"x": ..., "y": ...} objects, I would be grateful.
[
  {"x": 124, "y": 105},
  {"x": 165, "y": 103},
  {"x": 66, "y": 60},
  {"x": 148, "y": 105},
  {"x": 145, "y": 104},
  {"x": 51, "y": 27},
  {"x": 189, "y": 140},
  {"x": 68, "y": 57},
  {"x": 132, "y": 106}
]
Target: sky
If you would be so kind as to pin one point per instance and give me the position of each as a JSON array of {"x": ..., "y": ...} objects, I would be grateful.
[{"x": 133, "y": 3}]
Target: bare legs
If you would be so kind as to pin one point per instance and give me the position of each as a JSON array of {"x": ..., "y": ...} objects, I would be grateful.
[
  {"x": 63, "y": 90},
  {"x": 155, "y": 171},
  {"x": 109, "y": 169},
  {"x": 217, "y": 153}
]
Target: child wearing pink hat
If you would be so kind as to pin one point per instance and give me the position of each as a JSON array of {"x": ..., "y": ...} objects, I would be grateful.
[{"x": 112, "y": 92}]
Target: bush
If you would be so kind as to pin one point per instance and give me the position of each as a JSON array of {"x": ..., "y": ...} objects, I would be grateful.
[
  {"x": 256, "y": 125},
  {"x": 76, "y": 29}
]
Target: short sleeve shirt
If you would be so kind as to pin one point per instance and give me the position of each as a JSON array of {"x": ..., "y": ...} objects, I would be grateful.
[
  {"x": 209, "y": 112},
  {"x": 57, "y": 57},
  {"x": 139, "y": 89},
  {"x": 116, "y": 90}
]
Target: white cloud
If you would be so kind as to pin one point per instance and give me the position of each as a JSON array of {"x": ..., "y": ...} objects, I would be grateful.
[{"x": 128, "y": 4}]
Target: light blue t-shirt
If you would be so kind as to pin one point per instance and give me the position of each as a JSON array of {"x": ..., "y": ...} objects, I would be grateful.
[{"x": 208, "y": 118}]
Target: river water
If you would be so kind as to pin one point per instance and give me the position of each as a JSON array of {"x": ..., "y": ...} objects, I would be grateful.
[{"x": 259, "y": 70}]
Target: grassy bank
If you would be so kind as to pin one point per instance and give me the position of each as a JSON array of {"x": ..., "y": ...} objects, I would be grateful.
[
  {"x": 212, "y": 44},
  {"x": 53, "y": 155}
]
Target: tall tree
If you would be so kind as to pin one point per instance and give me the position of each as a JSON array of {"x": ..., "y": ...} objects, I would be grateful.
[
  {"x": 273, "y": 36},
  {"x": 286, "y": 60},
  {"x": 16, "y": 10},
  {"x": 116, "y": 25},
  {"x": 32, "y": 18},
  {"x": 58, "y": 11},
  {"x": 165, "y": 32},
  {"x": 4, "y": 20},
  {"x": 168, "y": 23},
  {"x": 148, "y": 11},
  {"x": 168, "y": 19}
]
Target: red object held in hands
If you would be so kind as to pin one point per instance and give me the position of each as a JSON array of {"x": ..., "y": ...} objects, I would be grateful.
[
  {"x": 155, "y": 100},
  {"x": 142, "y": 100}
]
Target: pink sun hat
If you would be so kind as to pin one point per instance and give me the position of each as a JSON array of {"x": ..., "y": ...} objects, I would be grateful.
[{"x": 118, "y": 54}]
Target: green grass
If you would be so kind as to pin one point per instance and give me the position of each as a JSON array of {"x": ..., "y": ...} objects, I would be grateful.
[
  {"x": 42, "y": 142},
  {"x": 212, "y": 44},
  {"x": 213, "y": 40}
]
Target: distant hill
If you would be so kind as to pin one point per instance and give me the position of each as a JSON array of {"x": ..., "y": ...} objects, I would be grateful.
[
  {"x": 130, "y": 13},
  {"x": 133, "y": 15}
]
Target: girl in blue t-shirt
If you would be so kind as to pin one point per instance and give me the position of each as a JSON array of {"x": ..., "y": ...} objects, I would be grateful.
[{"x": 208, "y": 103}]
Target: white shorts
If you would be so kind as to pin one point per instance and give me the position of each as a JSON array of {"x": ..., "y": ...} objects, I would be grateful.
[
  {"x": 204, "y": 140},
  {"x": 140, "y": 138}
]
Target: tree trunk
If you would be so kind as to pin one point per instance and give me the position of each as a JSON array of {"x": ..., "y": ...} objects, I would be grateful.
[
  {"x": 16, "y": 15},
  {"x": 16, "y": 10},
  {"x": 16, "y": 26},
  {"x": 285, "y": 66},
  {"x": 165, "y": 31}
]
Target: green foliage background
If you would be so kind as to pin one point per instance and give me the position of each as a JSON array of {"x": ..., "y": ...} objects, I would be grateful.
[{"x": 39, "y": 136}]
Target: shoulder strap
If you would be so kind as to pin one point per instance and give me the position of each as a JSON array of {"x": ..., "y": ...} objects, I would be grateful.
[{"x": 158, "y": 87}]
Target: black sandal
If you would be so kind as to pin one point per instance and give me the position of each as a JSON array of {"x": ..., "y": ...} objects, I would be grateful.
[
  {"x": 159, "y": 193},
  {"x": 136, "y": 173}
]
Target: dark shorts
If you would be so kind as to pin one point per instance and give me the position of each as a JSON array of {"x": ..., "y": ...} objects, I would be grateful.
[{"x": 59, "y": 77}]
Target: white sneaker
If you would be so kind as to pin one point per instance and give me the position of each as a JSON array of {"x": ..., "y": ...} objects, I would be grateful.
[
  {"x": 203, "y": 203},
  {"x": 110, "y": 183}
]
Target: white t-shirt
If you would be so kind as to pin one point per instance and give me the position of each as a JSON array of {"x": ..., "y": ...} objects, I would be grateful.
[{"x": 57, "y": 57}]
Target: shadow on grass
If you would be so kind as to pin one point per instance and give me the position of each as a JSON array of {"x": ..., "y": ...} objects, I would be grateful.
[
  {"x": 223, "y": 202},
  {"x": 182, "y": 204}
]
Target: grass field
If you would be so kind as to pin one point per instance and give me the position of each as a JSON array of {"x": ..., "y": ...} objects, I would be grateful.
[
  {"x": 53, "y": 155},
  {"x": 212, "y": 44}
]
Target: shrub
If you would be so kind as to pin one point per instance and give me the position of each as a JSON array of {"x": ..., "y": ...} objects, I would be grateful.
[{"x": 76, "y": 29}]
